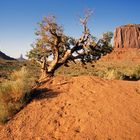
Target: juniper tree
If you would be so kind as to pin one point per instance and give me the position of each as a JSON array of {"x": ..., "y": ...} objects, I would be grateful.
[{"x": 53, "y": 48}]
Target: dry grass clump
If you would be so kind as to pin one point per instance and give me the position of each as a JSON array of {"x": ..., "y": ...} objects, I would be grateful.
[
  {"x": 112, "y": 74},
  {"x": 133, "y": 72},
  {"x": 13, "y": 92}
]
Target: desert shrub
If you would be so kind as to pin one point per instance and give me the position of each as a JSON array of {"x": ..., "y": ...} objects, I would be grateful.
[
  {"x": 137, "y": 72},
  {"x": 132, "y": 73},
  {"x": 3, "y": 113},
  {"x": 113, "y": 74},
  {"x": 13, "y": 91}
]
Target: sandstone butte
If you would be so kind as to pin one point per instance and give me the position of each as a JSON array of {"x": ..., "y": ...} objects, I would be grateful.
[{"x": 126, "y": 43}]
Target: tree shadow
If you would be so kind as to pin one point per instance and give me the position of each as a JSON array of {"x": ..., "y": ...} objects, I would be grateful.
[
  {"x": 39, "y": 94},
  {"x": 43, "y": 93},
  {"x": 131, "y": 78}
]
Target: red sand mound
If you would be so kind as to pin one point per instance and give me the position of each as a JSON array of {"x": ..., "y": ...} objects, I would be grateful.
[{"x": 79, "y": 108}]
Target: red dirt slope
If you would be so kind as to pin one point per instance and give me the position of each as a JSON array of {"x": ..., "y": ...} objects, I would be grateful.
[
  {"x": 79, "y": 108},
  {"x": 123, "y": 54}
]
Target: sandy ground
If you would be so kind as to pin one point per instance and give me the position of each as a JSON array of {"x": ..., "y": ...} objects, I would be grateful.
[{"x": 79, "y": 108}]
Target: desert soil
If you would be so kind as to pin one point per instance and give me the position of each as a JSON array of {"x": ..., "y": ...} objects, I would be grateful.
[{"x": 79, "y": 108}]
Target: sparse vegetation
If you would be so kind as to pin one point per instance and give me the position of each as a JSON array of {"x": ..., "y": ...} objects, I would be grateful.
[
  {"x": 123, "y": 70},
  {"x": 109, "y": 70},
  {"x": 7, "y": 67},
  {"x": 13, "y": 92}
]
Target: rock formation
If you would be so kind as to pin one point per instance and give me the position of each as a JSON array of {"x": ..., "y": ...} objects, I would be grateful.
[
  {"x": 126, "y": 44},
  {"x": 127, "y": 36},
  {"x": 21, "y": 58}
]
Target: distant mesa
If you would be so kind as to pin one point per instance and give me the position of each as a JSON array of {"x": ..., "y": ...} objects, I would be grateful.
[
  {"x": 21, "y": 58},
  {"x": 126, "y": 43},
  {"x": 3, "y": 56}
]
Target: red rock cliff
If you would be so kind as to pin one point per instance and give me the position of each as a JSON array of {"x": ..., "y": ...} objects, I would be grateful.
[
  {"x": 126, "y": 44},
  {"x": 127, "y": 36}
]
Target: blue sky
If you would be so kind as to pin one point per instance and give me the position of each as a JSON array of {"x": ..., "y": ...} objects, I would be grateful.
[{"x": 19, "y": 18}]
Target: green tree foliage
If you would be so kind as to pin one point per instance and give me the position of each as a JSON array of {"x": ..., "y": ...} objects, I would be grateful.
[{"x": 102, "y": 46}]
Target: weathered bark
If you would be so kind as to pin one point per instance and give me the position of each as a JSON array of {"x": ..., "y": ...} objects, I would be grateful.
[
  {"x": 45, "y": 75},
  {"x": 52, "y": 65},
  {"x": 44, "y": 71}
]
